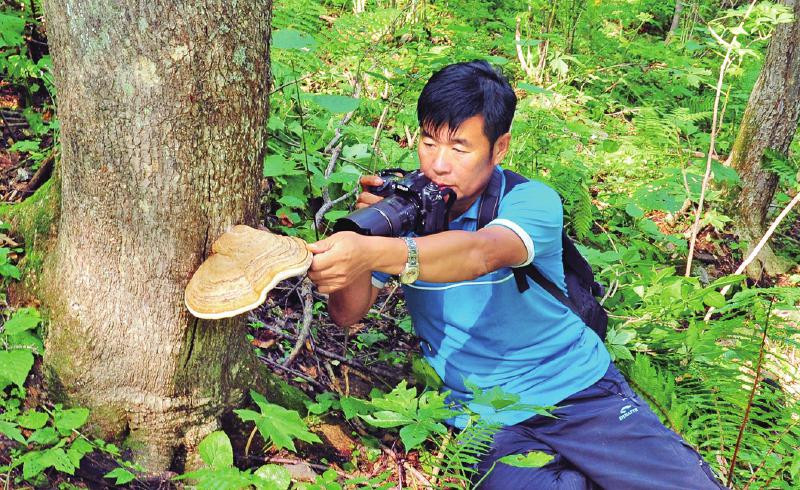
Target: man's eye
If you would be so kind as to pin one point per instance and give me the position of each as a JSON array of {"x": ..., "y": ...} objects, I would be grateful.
[{"x": 459, "y": 150}]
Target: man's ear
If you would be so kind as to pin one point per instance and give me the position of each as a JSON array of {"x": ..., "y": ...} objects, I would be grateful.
[{"x": 500, "y": 148}]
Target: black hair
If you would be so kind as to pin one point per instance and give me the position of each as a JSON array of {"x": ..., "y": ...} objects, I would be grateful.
[{"x": 462, "y": 90}]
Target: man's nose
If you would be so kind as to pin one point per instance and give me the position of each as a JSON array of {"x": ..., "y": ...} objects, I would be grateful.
[{"x": 440, "y": 164}]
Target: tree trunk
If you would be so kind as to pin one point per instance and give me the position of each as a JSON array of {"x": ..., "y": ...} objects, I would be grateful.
[
  {"x": 676, "y": 20},
  {"x": 769, "y": 122},
  {"x": 162, "y": 107}
]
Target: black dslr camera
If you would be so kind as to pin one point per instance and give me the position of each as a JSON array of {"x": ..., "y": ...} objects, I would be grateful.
[{"x": 411, "y": 203}]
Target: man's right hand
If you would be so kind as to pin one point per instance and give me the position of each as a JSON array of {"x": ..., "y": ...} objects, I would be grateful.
[{"x": 366, "y": 198}]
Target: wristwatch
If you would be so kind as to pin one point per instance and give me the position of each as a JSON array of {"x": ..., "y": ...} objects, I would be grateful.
[{"x": 411, "y": 270}]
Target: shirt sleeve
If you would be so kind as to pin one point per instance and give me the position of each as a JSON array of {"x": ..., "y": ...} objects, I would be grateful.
[
  {"x": 533, "y": 211},
  {"x": 379, "y": 279}
]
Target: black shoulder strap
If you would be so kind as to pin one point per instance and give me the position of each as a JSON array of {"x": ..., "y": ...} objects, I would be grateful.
[
  {"x": 487, "y": 211},
  {"x": 490, "y": 200}
]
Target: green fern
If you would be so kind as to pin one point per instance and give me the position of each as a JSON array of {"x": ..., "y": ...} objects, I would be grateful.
[
  {"x": 461, "y": 454},
  {"x": 705, "y": 382},
  {"x": 786, "y": 168}
]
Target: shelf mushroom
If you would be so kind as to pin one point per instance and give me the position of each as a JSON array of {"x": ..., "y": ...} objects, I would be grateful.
[{"x": 244, "y": 266}]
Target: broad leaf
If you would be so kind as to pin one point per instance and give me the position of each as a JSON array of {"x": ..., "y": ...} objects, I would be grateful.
[
  {"x": 216, "y": 450},
  {"x": 11, "y": 431},
  {"x": 33, "y": 419},
  {"x": 23, "y": 319},
  {"x": 533, "y": 459},
  {"x": 67, "y": 420},
  {"x": 386, "y": 418},
  {"x": 14, "y": 367},
  {"x": 292, "y": 39},
  {"x": 277, "y": 424},
  {"x": 337, "y": 103},
  {"x": 121, "y": 476},
  {"x": 413, "y": 435},
  {"x": 276, "y": 477}
]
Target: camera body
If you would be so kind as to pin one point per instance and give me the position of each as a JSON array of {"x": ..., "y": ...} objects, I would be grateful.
[{"x": 411, "y": 203}]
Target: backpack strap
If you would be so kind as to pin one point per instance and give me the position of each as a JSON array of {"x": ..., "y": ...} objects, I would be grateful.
[
  {"x": 487, "y": 211},
  {"x": 490, "y": 200}
]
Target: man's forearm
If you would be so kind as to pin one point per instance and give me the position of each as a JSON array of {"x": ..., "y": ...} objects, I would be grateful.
[{"x": 449, "y": 256}]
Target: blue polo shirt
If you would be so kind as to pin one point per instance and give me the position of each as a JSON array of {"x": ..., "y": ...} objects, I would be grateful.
[{"x": 485, "y": 333}]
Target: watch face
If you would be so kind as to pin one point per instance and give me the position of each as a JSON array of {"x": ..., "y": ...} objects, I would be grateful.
[{"x": 407, "y": 277}]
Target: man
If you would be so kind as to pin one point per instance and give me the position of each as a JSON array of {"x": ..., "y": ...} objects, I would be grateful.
[{"x": 477, "y": 329}]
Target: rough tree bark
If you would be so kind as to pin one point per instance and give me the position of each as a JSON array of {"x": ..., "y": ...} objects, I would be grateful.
[
  {"x": 162, "y": 106},
  {"x": 769, "y": 122}
]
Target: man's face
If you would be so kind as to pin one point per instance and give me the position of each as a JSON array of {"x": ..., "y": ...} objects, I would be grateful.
[{"x": 463, "y": 161}]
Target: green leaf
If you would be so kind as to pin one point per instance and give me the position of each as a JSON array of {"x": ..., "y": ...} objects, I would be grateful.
[
  {"x": 726, "y": 280},
  {"x": 633, "y": 210},
  {"x": 292, "y": 39},
  {"x": 121, "y": 476},
  {"x": 216, "y": 450},
  {"x": 16, "y": 364},
  {"x": 23, "y": 319},
  {"x": 529, "y": 87},
  {"x": 67, "y": 420},
  {"x": 44, "y": 436},
  {"x": 335, "y": 214},
  {"x": 277, "y": 477},
  {"x": 386, "y": 418},
  {"x": 33, "y": 419},
  {"x": 337, "y": 103},
  {"x": 292, "y": 202},
  {"x": 534, "y": 459},
  {"x": 277, "y": 424},
  {"x": 9, "y": 270},
  {"x": 413, "y": 436},
  {"x": 610, "y": 146},
  {"x": 27, "y": 341},
  {"x": 11, "y": 431},
  {"x": 715, "y": 299},
  {"x": 78, "y": 449},
  {"x": 277, "y": 166},
  {"x": 33, "y": 464},
  {"x": 354, "y": 406},
  {"x": 11, "y": 29}
]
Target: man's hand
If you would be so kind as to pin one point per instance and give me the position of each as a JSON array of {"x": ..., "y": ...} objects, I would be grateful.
[
  {"x": 338, "y": 260},
  {"x": 365, "y": 198}
]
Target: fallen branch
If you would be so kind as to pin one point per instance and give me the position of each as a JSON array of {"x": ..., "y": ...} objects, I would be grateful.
[
  {"x": 294, "y": 372},
  {"x": 308, "y": 304},
  {"x": 332, "y": 355},
  {"x": 750, "y": 258}
]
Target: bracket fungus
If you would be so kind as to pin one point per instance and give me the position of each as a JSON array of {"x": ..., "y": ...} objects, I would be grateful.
[{"x": 244, "y": 266}]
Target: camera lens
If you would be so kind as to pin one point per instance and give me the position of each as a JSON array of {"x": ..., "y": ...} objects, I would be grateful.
[{"x": 392, "y": 216}]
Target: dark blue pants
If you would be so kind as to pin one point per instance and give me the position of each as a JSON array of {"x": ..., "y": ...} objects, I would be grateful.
[{"x": 604, "y": 437}]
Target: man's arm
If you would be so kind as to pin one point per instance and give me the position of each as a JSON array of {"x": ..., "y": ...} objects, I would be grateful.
[{"x": 346, "y": 257}]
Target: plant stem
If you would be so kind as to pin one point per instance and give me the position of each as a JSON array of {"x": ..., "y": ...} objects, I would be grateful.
[
  {"x": 722, "y": 69},
  {"x": 746, "y": 417},
  {"x": 303, "y": 135}
]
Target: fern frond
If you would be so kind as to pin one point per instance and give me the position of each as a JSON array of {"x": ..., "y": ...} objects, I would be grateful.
[{"x": 461, "y": 454}]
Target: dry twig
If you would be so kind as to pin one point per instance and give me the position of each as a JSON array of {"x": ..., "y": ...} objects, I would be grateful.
[
  {"x": 750, "y": 258},
  {"x": 308, "y": 305}
]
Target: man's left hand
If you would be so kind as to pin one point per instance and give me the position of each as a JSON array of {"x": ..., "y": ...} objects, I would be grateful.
[{"x": 338, "y": 261}]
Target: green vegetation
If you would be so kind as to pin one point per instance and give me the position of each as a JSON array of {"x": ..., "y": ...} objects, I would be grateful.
[{"x": 615, "y": 112}]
